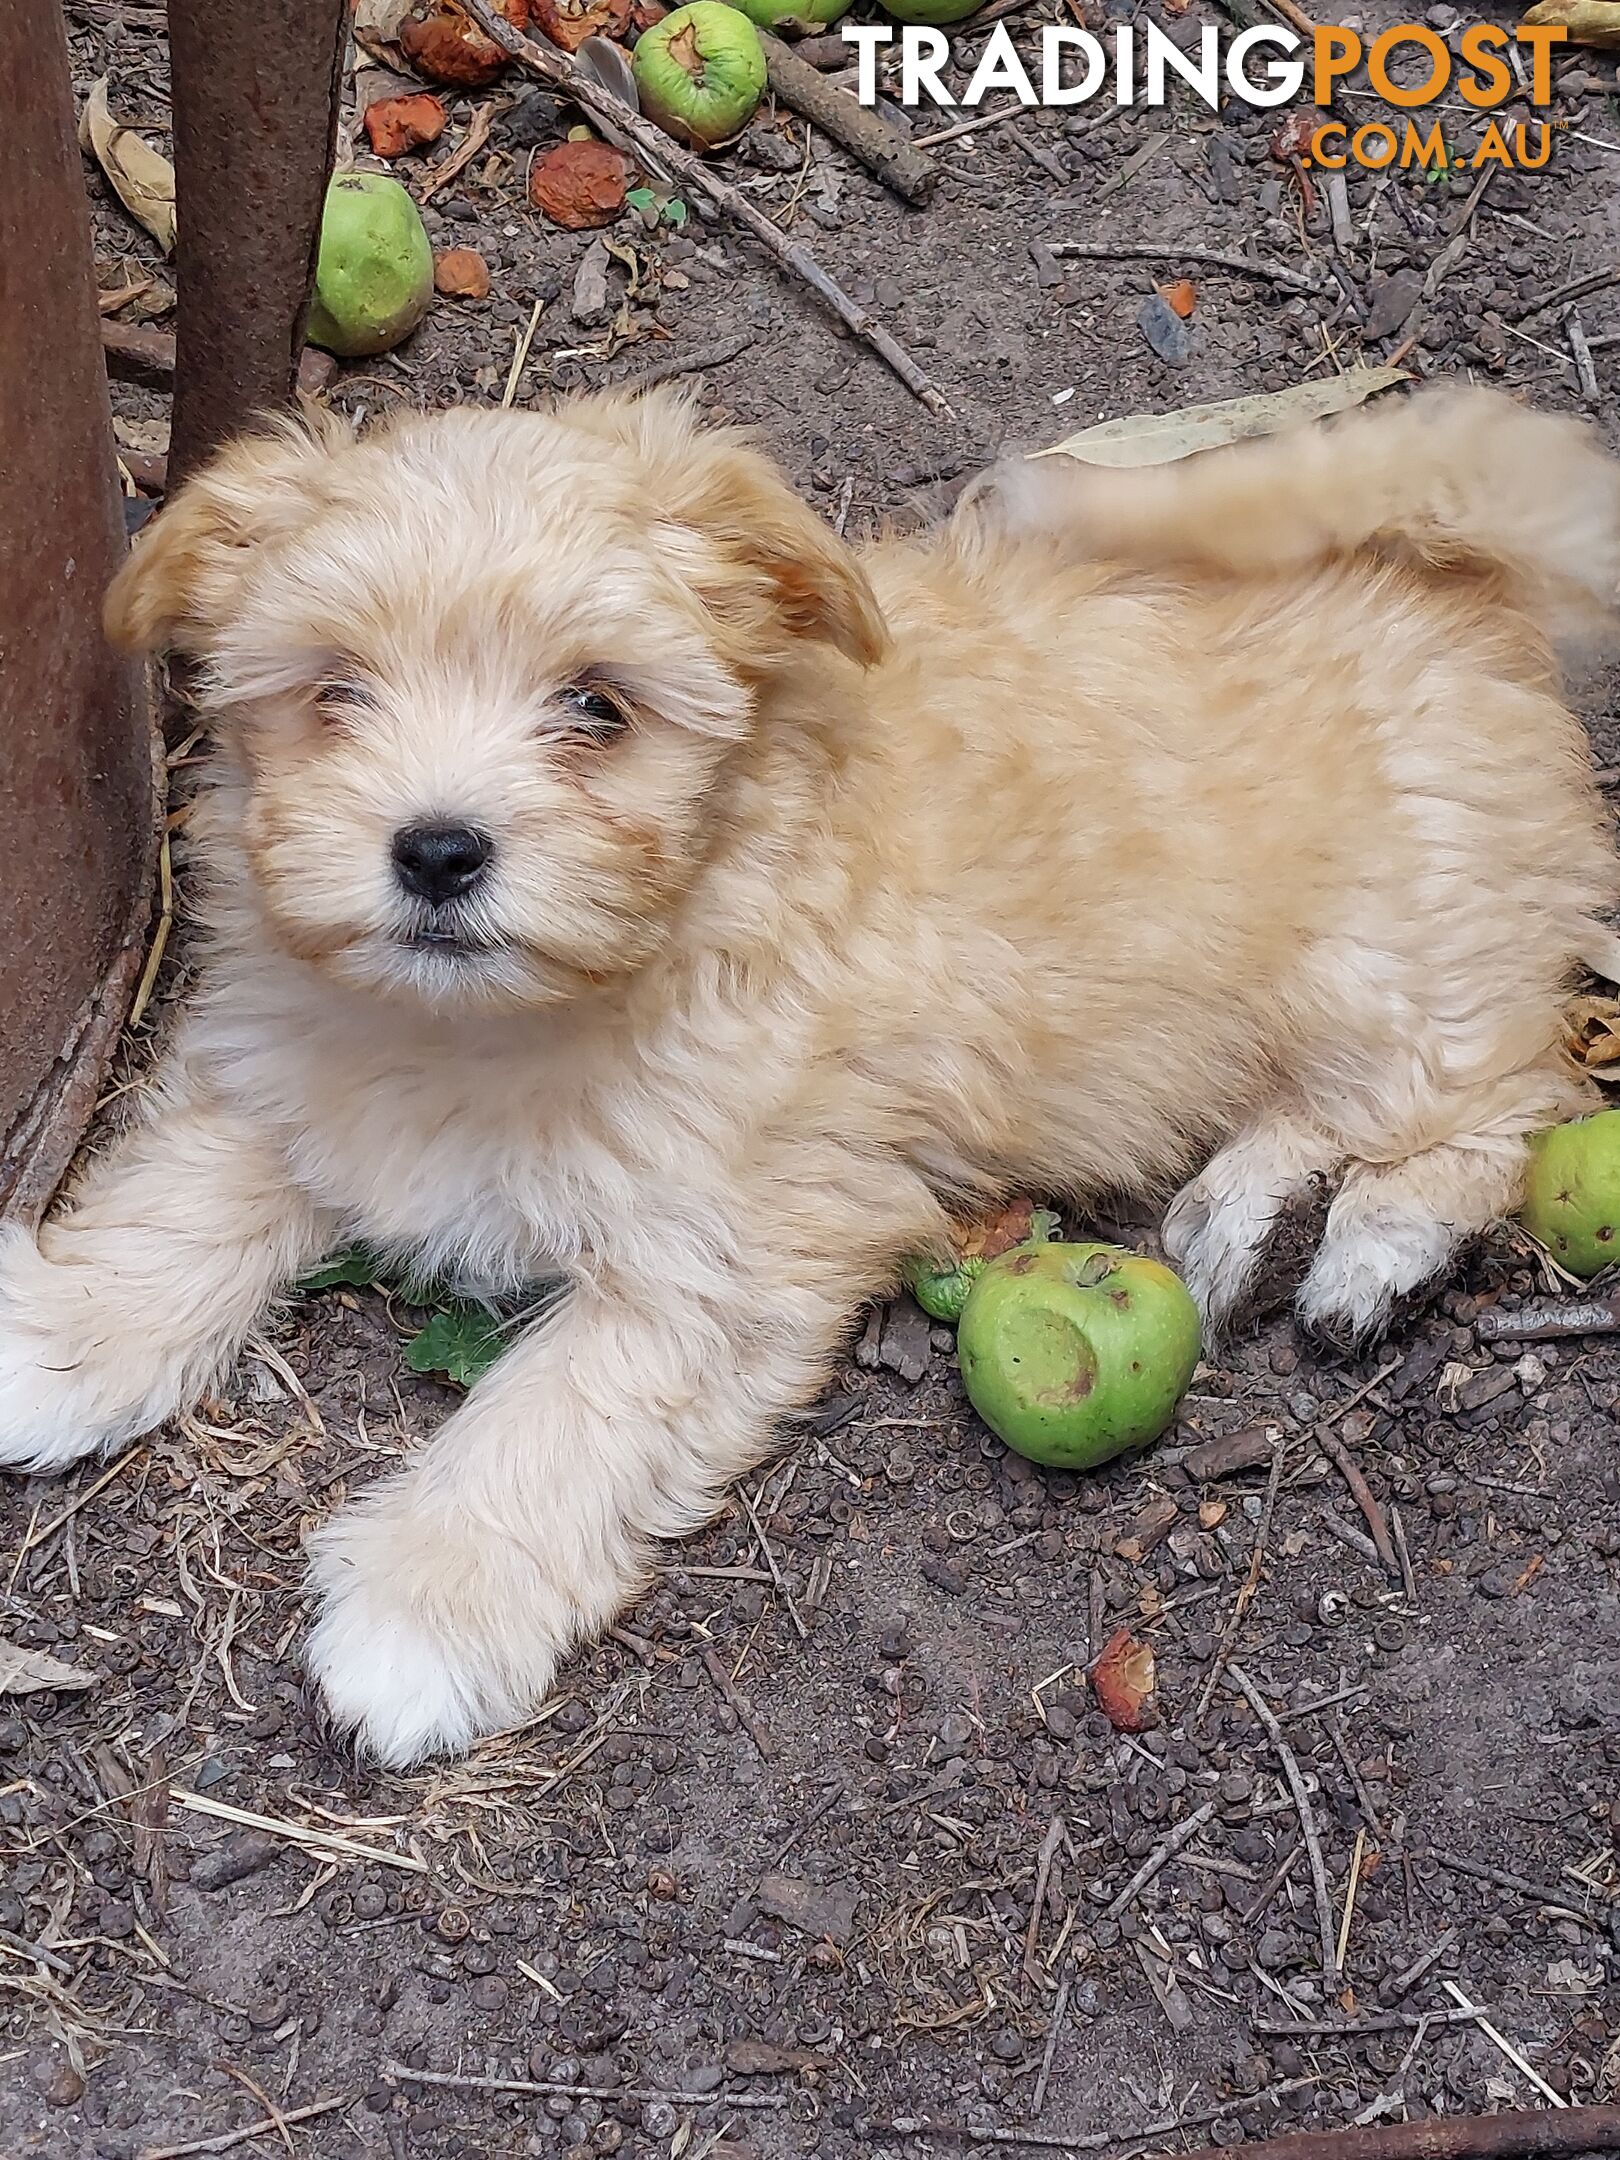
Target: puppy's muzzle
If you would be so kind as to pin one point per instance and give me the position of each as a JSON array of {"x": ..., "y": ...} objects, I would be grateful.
[{"x": 440, "y": 863}]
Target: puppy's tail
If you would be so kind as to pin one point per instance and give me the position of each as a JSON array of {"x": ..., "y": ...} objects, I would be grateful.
[{"x": 1462, "y": 479}]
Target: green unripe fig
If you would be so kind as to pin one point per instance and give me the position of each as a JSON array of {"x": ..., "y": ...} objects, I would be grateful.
[
  {"x": 942, "y": 1290},
  {"x": 374, "y": 272},
  {"x": 795, "y": 17},
  {"x": 701, "y": 72},
  {"x": 1074, "y": 1354},
  {"x": 1572, "y": 1192}
]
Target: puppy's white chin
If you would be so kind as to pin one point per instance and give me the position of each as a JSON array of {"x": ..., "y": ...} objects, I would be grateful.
[{"x": 448, "y": 978}]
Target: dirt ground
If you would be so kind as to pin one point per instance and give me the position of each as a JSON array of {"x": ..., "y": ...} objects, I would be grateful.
[{"x": 829, "y": 1850}]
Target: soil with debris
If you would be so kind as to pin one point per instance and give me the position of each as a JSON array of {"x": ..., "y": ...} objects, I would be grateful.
[{"x": 830, "y": 1848}]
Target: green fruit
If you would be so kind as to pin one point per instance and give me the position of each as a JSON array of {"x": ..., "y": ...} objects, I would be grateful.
[
  {"x": 932, "y": 11},
  {"x": 794, "y": 16},
  {"x": 374, "y": 273},
  {"x": 1572, "y": 1193},
  {"x": 1074, "y": 1353},
  {"x": 701, "y": 72},
  {"x": 943, "y": 1291}
]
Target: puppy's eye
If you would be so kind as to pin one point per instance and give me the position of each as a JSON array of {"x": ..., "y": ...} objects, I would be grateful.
[{"x": 593, "y": 712}]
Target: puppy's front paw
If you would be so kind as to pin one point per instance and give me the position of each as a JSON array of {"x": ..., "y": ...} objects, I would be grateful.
[
  {"x": 61, "y": 1398},
  {"x": 428, "y": 1638}
]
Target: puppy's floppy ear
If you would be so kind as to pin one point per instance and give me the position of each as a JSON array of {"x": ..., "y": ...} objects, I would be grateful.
[
  {"x": 180, "y": 585},
  {"x": 767, "y": 567}
]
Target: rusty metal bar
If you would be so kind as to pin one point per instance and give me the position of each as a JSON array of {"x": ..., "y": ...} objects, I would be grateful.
[
  {"x": 255, "y": 95},
  {"x": 77, "y": 790}
]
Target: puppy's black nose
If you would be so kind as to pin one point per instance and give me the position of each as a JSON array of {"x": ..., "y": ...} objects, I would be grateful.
[{"x": 439, "y": 862}]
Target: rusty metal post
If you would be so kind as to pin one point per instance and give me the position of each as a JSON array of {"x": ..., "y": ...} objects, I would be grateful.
[
  {"x": 255, "y": 94},
  {"x": 76, "y": 766}
]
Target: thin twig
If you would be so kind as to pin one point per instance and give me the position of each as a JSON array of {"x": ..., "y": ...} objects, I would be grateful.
[
  {"x": 1043, "y": 1874},
  {"x": 1404, "y": 1982},
  {"x": 697, "y": 360},
  {"x": 1185, "y": 1830},
  {"x": 1211, "y": 258},
  {"x": 1575, "y": 288},
  {"x": 160, "y": 936},
  {"x": 562, "y": 72},
  {"x": 472, "y": 142},
  {"x": 715, "y": 1668},
  {"x": 1251, "y": 1583},
  {"x": 1553, "y": 2099},
  {"x": 1351, "y": 1888},
  {"x": 297, "y": 1833},
  {"x": 551, "y": 2087},
  {"x": 1348, "y": 1468},
  {"x": 1341, "y": 1747},
  {"x": 520, "y": 355},
  {"x": 1356, "y": 2028},
  {"x": 1059, "y": 2141},
  {"x": 1054, "y": 2027},
  {"x": 769, "y": 1558},
  {"x": 1505, "y": 1879},
  {"x": 1397, "y": 1530},
  {"x": 83, "y": 1499},
  {"x": 1585, "y": 372},
  {"x": 1307, "y": 1821},
  {"x": 223, "y": 2140}
]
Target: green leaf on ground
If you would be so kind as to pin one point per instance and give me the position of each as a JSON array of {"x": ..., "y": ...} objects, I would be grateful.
[
  {"x": 358, "y": 1267},
  {"x": 461, "y": 1342}
]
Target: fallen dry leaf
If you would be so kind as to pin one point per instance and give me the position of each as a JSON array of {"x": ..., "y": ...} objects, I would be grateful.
[
  {"x": 1122, "y": 1681},
  {"x": 142, "y": 177},
  {"x": 461, "y": 274},
  {"x": 448, "y": 47},
  {"x": 1589, "y": 22},
  {"x": 31, "y": 1672},
  {"x": 1181, "y": 297},
  {"x": 569, "y": 23},
  {"x": 1592, "y": 1032},
  {"x": 395, "y": 125},
  {"x": 579, "y": 184},
  {"x": 1160, "y": 438}
]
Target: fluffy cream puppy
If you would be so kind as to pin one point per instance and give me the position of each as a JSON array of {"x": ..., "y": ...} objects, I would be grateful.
[{"x": 613, "y": 874}]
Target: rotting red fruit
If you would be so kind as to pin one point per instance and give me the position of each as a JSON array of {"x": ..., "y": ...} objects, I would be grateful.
[
  {"x": 1123, "y": 1681},
  {"x": 396, "y": 125},
  {"x": 569, "y": 23},
  {"x": 580, "y": 185},
  {"x": 448, "y": 47}
]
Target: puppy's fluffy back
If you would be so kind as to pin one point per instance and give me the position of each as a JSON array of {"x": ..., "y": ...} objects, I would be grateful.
[{"x": 1461, "y": 479}]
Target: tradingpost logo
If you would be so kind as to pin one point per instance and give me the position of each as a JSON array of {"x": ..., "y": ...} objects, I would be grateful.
[{"x": 1266, "y": 65}]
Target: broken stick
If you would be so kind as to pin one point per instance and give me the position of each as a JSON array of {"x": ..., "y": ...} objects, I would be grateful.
[
  {"x": 860, "y": 129},
  {"x": 563, "y": 73}
]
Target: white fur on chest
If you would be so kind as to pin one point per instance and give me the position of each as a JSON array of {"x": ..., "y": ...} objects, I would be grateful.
[{"x": 470, "y": 1149}]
